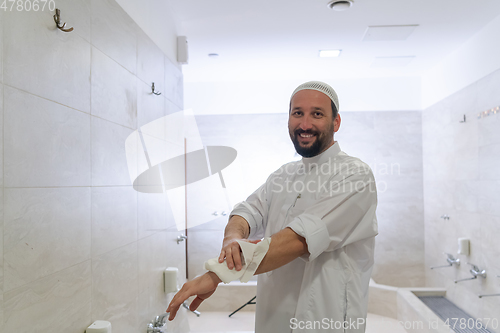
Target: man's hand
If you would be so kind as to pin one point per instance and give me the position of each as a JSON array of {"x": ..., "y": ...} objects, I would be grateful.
[
  {"x": 231, "y": 251},
  {"x": 237, "y": 229},
  {"x": 203, "y": 287}
]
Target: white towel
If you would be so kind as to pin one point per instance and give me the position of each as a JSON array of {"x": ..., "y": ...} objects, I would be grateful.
[{"x": 252, "y": 255}]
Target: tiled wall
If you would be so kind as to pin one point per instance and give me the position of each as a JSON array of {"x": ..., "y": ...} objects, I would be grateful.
[
  {"x": 461, "y": 179},
  {"x": 76, "y": 243},
  {"x": 390, "y": 142}
]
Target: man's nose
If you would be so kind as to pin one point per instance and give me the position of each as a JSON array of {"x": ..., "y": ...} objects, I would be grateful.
[{"x": 305, "y": 123}]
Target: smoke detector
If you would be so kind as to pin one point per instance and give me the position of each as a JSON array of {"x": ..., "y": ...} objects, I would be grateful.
[{"x": 340, "y": 5}]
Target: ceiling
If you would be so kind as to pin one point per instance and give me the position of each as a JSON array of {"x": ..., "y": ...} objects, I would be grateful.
[{"x": 280, "y": 39}]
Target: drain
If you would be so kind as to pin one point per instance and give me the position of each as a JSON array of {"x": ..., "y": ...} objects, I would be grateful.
[{"x": 458, "y": 320}]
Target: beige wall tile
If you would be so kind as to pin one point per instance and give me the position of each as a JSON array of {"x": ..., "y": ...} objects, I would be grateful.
[
  {"x": 176, "y": 254},
  {"x": 1, "y": 128},
  {"x": 58, "y": 55},
  {"x": 460, "y": 180},
  {"x": 46, "y": 230},
  {"x": 115, "y": 288},
  {"x": 114, "y": 91},
  {"x": 487, "y": 92},
  {"x": 114, "y": 218},
  {"x": 202, "y": 245},
  {"x": 109, "y": 158},
  {"x": 150, "y": 62},
  {"x": 2, "y": 19},
  {"x": 1, "y": 259},
  {"x": 488, "y": 130},
  {"x": 153, "y": 252},
  {"x": 152, "y": 214},
  {"x": 174, "y": 83},
  {"x": 69, "y": 251},
  {"x": 45, "y": 143},
  {"x": 60, "y": 302},
  {"x": 114, "y": 33},
  {"x": 489, "y": 161},
  {"x": 150, "y": 111}
]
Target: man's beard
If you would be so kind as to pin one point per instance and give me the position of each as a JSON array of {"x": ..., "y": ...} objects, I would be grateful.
[{"x": 316, "y": 148}]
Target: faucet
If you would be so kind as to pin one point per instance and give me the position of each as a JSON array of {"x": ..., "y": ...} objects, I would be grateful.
[
  {"x": 158, "y": 324},
  {"x": 475, "y": 271},
  {"x": 451, "y": 260}
]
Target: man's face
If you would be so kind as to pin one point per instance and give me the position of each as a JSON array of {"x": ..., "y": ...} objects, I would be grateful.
[{"x": 310, "y": 123}]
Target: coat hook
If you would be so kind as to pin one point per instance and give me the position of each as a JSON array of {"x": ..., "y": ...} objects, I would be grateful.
[
  {"x": 463, "y": 121},
  {"x": 153, "y": 90},
  {"x": 57, "y": 19}
]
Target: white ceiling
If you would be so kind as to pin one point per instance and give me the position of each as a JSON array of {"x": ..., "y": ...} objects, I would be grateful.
[{"x": 280, "y": 39}]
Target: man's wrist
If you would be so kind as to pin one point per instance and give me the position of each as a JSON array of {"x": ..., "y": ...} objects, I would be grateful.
[
  {"x": 233, "y": 235},
  {"x": 214, "y": 277}
]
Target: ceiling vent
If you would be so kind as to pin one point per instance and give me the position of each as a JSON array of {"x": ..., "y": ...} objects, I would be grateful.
[{"x": 340, "y": 5}]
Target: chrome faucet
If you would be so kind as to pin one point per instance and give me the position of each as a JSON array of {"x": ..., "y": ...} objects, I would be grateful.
[
  {"x": 451, "y": 261},
  {"x": 475, "y": 271},
  {"x": 158, "y": 324}
]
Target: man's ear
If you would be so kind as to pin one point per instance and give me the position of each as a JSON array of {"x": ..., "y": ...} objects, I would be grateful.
[{"x": 336, "y": 123}]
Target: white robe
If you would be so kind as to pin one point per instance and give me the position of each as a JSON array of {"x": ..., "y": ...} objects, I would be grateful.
[{"x": 330, "y": 200}]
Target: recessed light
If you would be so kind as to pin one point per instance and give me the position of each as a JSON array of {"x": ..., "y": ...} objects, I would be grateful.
[
  {"x": 213, "y": 55},
  {"x": 340, "y": 5},
  {"x": 329, "y": 53}
]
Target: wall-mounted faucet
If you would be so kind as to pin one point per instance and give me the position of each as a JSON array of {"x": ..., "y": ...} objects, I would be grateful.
[
  {"x": 445, "y": 217},
  {"x": 158, "y": 324},
  {"x": 475, "y": 271},
  {"x": 451, "y": 261}
]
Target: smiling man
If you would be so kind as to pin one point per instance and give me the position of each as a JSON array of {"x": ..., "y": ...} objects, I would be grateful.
[{"x": 316, "y": 219}]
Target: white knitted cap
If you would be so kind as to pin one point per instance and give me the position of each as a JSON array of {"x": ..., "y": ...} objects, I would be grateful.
[{"x": 321, "y": 87}]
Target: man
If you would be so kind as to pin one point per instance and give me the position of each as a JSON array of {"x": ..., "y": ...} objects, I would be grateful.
[{"x": 320, "y": 216}]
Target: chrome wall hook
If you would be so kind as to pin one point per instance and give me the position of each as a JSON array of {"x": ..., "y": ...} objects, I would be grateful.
[
  {"x": 57, "y": 19},
  {"x": 153, "y": 89},
  {"x": 181, "y": 238},
  {"x": 463, "y": 121}
]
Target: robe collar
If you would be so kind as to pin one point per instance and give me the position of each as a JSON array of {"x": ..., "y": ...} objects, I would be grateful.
[{"x": 325, "y": 157}]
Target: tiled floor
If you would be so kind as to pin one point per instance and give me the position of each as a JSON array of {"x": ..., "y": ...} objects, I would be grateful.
[{"x": 243, "y": 322}]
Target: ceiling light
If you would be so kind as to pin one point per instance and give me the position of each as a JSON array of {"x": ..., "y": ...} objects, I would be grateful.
[
  {"x": 340, "y": 5},
  {"x": 329, "y": 53}
]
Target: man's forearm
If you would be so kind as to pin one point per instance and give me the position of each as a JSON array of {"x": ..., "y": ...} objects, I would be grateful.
[
  {"x": 285, "y": 246},
  {"x": 237, "y": 227}
]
